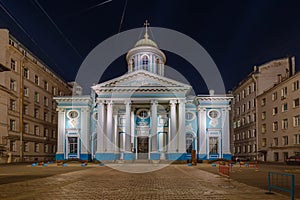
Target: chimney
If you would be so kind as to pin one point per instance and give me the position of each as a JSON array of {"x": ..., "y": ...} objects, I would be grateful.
[
  {"x": 292, "y": 65},
  {"x": 279, "y": 78}
]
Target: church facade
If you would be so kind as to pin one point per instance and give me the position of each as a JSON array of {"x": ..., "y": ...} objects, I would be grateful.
[{"x": 143, "y": 115}]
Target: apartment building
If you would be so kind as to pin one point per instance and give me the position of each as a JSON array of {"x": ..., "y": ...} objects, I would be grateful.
[
  {"x": 28, "y": 120},
  {"x": 244, "y": 112},
  {"x": 279, "y": 120}
]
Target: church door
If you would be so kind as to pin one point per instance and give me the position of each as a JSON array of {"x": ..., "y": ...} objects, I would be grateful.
[{"x": 142, "y": 147}]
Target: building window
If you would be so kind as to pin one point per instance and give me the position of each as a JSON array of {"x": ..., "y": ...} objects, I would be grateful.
[
  {"x": 244, "y": 108},
  {"x": 254, "y": 147},
  {"x": 36, "y": 147},
  {"x": 26, "y": 127},
  {"x": 12, "y": 125},
  {"x": 275, "y": 126},
  {"x": 263, "y": 115},
  {"x": 12, "y": 104},
  {"x": 26, "y": 91},
  {"x": 36, "y": 113},
  {"x": 249, "y": 89},
  {"x": 45, "y": 148},
  {"x": 36, "y": 97},
  {"x": 25, "y": 109},
  {"x": 275, "y": 142},
  {"x": 263, "y": 102},
  {"x": 297, "y": 139},
  {"x": 213, "y": 145},
  {"x": 275, "y": 110},
  {"x": 46, "y": 132},
  {"x": 26, "y": 146},
  {"x": 285, "y": 140},
  {"x": 285, "y": 124},
  {"x": 53, "y": 134},
  {"x": 12, "y": 146},
  {"x": 46, "y": 101},
  {"x": 36, "y": 80},
  {"x": 296, "y": 120},
  {"x": 53, "y": 90},
  {"x": 295, "y": 85},
  {"x": 13, "y": 65},
  {"x": 296, "y": 103},
  {"x": 46, "y": 85},
  {"x": 249, "y": 148},
  {"x": 274, "y": 96},
  {"x": 263, "y": 128},
  {"x": 145, "y": 62},
  {"x": 276, "y": 157},
  {"x": 249, "y": 105},
  {"x": 284, "y": 93},
  {"x": 45, "y": 116},
  {"x": 53, "y": 148},
  {"x": 264, "y": 142},
  {"x": 254, "y": 133},
  {"x": 36, "y": 130},
  {"x": 13, "y": 85},
  {"x": 26, "y": 73},
  {"x": 284, "y": 107}
]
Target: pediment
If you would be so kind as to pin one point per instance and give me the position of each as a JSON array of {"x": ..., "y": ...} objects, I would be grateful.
[{"x": 141, "y": 79}]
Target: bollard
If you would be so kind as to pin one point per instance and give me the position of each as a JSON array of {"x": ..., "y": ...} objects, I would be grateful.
[
  {"x": 213, "y": 165},
  {"x": 64, "y": 165},
  {"x": 45, "y": 165},
  {"x": 190, "y": 164},
  {"x": 101, "y": 164},
  {"x": 33, "y": 164},
  {"x": 83, "y": 164}
]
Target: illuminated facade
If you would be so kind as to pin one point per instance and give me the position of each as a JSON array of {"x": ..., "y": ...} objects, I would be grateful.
[{"x": 143, "y": 115}]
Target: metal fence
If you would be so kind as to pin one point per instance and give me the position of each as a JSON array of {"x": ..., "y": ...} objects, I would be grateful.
[{"x": 281, "y": 181}]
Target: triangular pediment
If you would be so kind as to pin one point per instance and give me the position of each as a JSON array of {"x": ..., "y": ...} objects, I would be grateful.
[{"x": 141, "y": 79}]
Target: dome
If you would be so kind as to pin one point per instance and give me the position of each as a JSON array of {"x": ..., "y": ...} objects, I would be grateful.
[{"x": 146, "y": 42}]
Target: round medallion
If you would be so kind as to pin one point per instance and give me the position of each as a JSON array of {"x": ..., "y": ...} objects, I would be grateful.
[
  {"x": 143, "y": 113},
  {"x": 73, "y": 114},
  {"x": 213, "y": 114}
]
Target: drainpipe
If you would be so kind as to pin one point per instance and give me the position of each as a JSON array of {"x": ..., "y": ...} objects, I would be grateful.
[{"x": 21, "y": 108}]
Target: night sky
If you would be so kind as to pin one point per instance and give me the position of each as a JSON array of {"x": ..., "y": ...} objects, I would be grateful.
[{"x": 236, "y": 34}]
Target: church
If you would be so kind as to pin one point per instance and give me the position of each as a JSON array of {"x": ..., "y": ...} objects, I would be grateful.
[{"x": 143, "y": 115}]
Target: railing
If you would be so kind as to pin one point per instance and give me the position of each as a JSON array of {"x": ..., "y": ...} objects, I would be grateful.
[
  {"x": 224, "y": 170},
  {"x": 282, "y": 182}
]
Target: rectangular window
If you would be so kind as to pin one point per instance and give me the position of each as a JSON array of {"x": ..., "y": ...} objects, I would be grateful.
[
  {"x": 46, "y": 85},
  {"x": 36, "y": 147},
  {"x": 13, "y": 65},
  {"x": 54, "y": 91},
  {"x": 213, "y": 145},
  {"x": 36, "y": 130},
  {"x": 26, "y": 127},
  {"x": 12, "y": 125},
  {"x": 12, "y": 146},
  {"x": 36, "y": 113},
  {"x": 275, "y": 126},
  {"x": 284, "y": 107},
  {"x": 249, "y": 105},
  {"x": 36, "y": 97},
  {"x": 263, "y": 102},
  {"x": 264, "y": 142},
  {"x": 295, "y": 85},
  {"x": 26, "y": 91},
  {"x": 46, "y": 132},
  {"x": 296, "y": 120},
  {"x": 12, "y": 104},
  {"x": 263, "y": 128},
  {"x": 296, "y": 103},
  {"x": 275, "y": 142},
  {"x": 45, "y": 116},
  {"x": 53, "y": 148},
  {"x": 254, "y": 133},
  {"x": 36, "y": 79},
  {"x": 285, "y": 124},
  {"x": 297, "y": 139},
  {"x": 45, "y": 101},
  {"x": 26, "y": 73},
  {"x": 254, "y": 147},
  {"x": 263, "y": 115},
  {"x": 53, "y": 135},
  {"x": 275, "y": 110},
  {"x": 26, "y": 146},
  {"x": 284, "y": 93},
  {"x": 276, "y": 157},
  {"x": 13, "y": 85},
  {"x": 274, "y": 96},
  {"x": 25, "y": 107},
  {"x": 244, "y": 108},
  {"x": 285, "y": 140},
  {"x": 45, "y": 148}
]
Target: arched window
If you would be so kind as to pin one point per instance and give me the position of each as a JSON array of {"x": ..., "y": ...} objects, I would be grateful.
[
  {"x": 132, "y": 64},
  {"x": 157, "y": 62},
  {"x": 145, "y": 63}
]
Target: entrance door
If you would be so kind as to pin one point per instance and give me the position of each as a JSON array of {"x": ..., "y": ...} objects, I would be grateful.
[
  {"x": 142, "y": 147},
  {"x": 73, "y": 144}
]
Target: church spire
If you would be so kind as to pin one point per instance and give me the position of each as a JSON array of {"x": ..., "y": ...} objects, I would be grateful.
[{"x": 146, "y": 24}]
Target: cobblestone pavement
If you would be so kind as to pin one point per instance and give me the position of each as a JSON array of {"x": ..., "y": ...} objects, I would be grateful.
[{"x": 101, "y": 182}]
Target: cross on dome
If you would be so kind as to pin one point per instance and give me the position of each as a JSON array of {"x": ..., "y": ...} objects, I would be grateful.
[{"x": 146, "y": 24}]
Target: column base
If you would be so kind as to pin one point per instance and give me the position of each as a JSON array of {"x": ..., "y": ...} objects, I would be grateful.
[
  {"x": 85, "y": 156},
  {"x": 176, "y": 156},
  {"x": 60, "y": 156},
  {"x": 107, "y": 156},
  {"x": 154, "y": 156}
]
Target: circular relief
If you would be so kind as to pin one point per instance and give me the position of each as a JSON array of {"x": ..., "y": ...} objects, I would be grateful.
[
  {"x": 143, "y": 113},
  {"x": 213, "y": 114},
  {"x": 95, "y": 116},
  {"x": 189, "y": 116},
  {"x": 73, "y": 114}
]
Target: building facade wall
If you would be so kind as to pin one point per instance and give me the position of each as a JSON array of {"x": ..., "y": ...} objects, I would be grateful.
[
  {"x": 29, "y": 120},
  {"x": 279, "y": 117}
]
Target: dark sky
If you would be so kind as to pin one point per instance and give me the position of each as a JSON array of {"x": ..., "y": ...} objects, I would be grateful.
[{"x": 236, "y": 34}]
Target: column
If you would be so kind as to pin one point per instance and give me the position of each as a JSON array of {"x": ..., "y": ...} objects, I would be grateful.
[
  {"x": 61, "y": 131},
  {"x": 109, "y": 127},
  {"x": 85, "y": 130},
  {"x": 202, "y": 130},
  {"x": 225, "y": 132},
  {"x": 116, "y": 134},
  {"x": 154, "y": 125},
  {"x": 100, "y": 127},
  {"x": 173, "y": 128},
  {"x": 128, "y": 126},
  {"x": 181, "y": 126}
]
